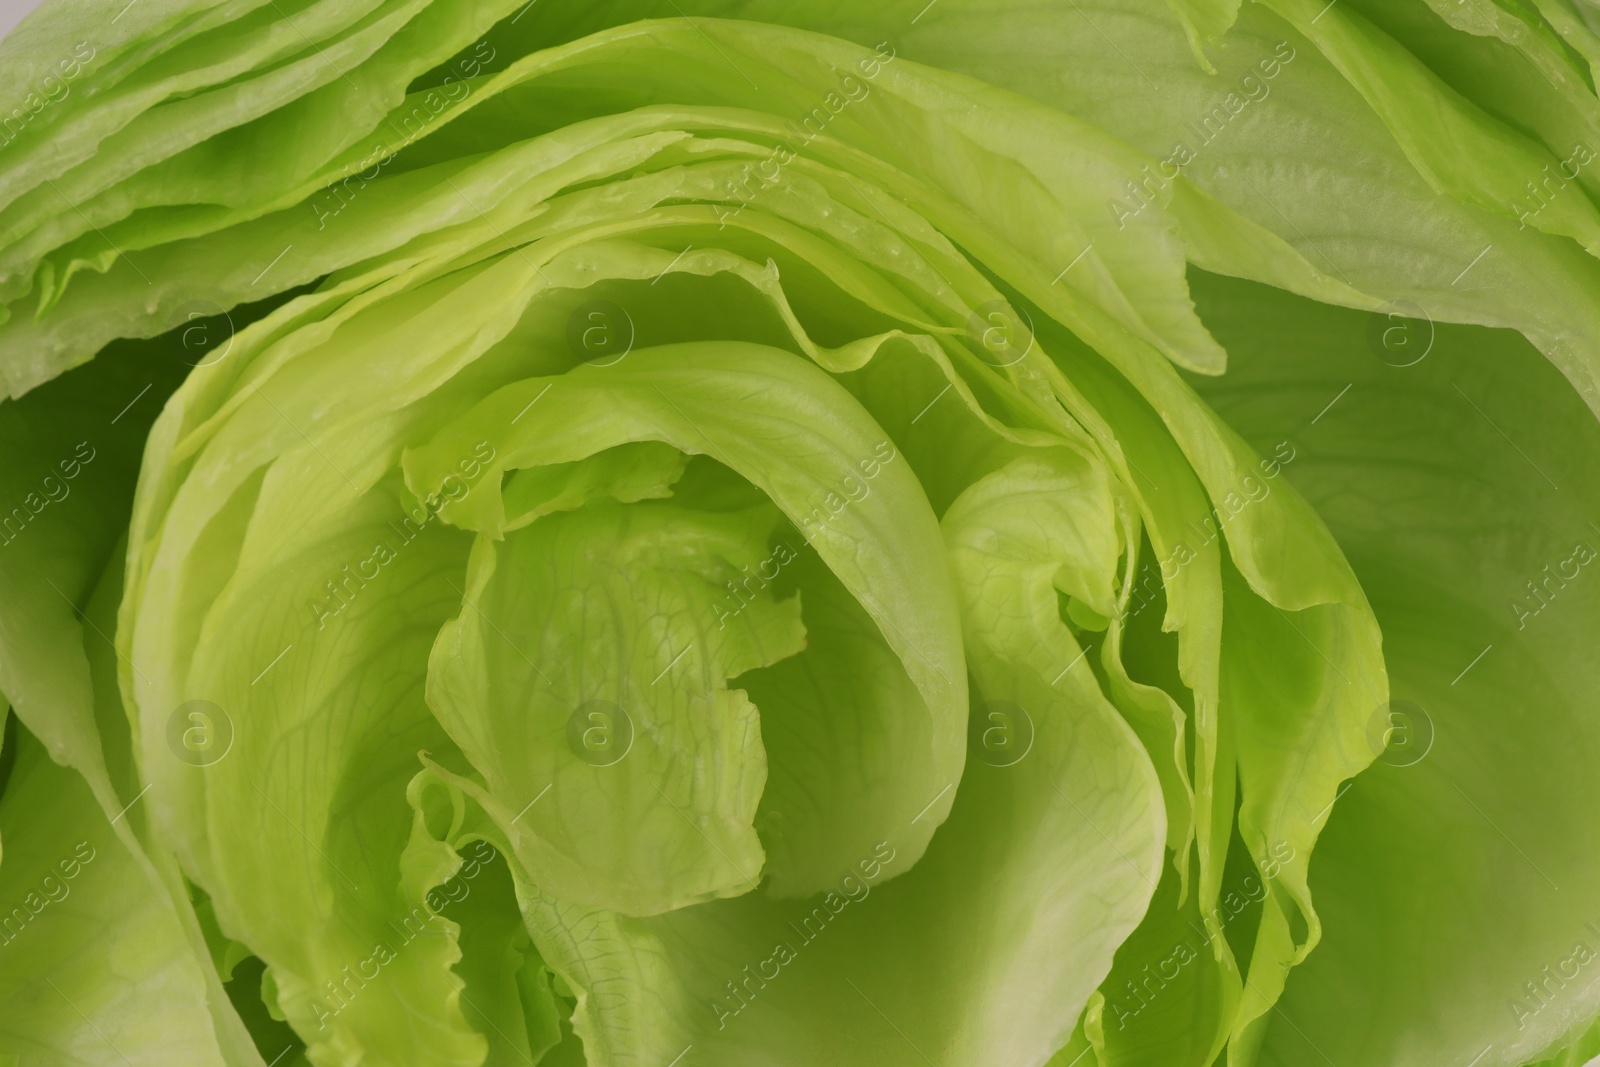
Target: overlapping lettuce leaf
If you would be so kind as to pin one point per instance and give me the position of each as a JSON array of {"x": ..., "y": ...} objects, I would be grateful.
[{"x": 750, "y": 540}]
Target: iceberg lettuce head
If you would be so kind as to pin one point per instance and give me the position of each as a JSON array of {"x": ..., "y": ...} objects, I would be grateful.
[{"x": 719, "y": 533}]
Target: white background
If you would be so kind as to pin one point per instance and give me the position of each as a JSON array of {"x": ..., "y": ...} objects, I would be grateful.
[{"x": 12, "y": 11}]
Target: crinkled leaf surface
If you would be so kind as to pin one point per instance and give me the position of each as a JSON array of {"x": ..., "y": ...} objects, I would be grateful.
[{"x": 753, "y": 542}]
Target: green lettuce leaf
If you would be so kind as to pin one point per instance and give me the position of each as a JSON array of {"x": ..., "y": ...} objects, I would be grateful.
[
  {"x": 800, "y": 533},
  {"x": 1415, "y": 469}
]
